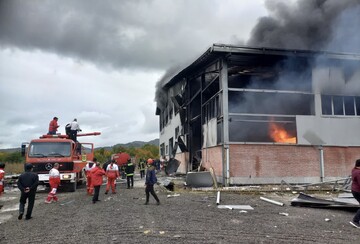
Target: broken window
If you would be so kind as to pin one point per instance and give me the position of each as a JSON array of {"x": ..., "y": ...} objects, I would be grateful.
[
  {"x": 270, "y": 102},
  {"x": 177, "y": 132},
  {"x": 162, "y": 149},
  {"x": 262, "y": 129},
  {"x": 171, "y": 144}
]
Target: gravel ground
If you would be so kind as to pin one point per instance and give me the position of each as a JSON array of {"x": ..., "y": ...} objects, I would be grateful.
[{"x": 189, "y": 217}]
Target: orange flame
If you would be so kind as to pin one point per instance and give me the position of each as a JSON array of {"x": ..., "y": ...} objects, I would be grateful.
[{"x": 279, "y": 134}]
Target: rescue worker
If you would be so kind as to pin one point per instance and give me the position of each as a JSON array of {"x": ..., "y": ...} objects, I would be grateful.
[
  {"x": 150, "y": 180},
  {"x": 88, "y": 167},
  {"x": 2, "y": 176},
  {"x": 74, "y": 128},
  {"x": 142, "y": 168},
  {"x": 97, "y": 174},
  {"x": 112, "y": 173},
  {"x": 27, "y": 183},
  {"x": 54, "y": 181},
  {"x": 53, "y": 126},
  {"x": 129, "y": 171}
]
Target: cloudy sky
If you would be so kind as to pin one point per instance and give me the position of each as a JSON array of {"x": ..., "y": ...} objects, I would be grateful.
[{"x": 99, "y": 61}]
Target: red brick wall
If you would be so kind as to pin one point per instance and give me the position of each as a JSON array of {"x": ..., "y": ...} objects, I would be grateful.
[{"x": 277, "y": 162}]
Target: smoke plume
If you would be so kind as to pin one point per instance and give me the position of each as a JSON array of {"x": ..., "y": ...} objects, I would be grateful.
[{"x": 327, "y": 25}]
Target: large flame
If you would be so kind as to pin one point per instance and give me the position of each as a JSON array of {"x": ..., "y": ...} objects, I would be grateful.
[{"x": 279, "y": 134}]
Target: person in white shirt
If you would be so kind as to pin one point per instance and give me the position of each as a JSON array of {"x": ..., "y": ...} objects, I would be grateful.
[
  {"x": 54, "y": 181},
  {"x": 74, "y": 128}
]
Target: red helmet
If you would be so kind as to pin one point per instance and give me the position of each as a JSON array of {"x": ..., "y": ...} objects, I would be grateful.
[{"x": 150, "y": 161}]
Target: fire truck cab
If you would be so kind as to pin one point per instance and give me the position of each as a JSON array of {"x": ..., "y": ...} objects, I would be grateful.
[{"x": 72, "y": 157}]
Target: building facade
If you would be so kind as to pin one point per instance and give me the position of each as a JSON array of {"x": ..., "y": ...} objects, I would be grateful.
[{"x": 259, "y": 116}]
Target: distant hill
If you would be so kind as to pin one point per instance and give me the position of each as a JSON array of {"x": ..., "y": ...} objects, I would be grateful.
[
  {"x": 11, "y": 150},
  {"x": 135, "y": 144}
]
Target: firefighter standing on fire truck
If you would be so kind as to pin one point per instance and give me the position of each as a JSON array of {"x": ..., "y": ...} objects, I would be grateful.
[
  {"x": 112, "y": 173},
  {"x": 54, "y": 181}
]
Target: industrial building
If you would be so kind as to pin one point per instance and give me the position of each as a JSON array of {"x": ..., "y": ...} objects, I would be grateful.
[{"x": 261, "y": 115}]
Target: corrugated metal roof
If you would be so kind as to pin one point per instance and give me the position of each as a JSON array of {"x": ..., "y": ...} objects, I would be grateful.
[{"x": 249, "y": 55}]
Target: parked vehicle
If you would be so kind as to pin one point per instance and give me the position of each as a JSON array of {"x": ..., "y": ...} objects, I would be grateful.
[{"x": 72, "y": 156}]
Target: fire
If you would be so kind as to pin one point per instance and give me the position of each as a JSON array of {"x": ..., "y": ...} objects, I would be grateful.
[{"x": 279, "y": 134}]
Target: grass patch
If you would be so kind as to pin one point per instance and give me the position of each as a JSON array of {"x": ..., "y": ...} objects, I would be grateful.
[{"x": 14, "y": 168}]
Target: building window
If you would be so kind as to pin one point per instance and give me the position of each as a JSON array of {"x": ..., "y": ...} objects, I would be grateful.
[
  {"x": 340, "y": 105},
  {"x": 171, "y": 142},
  {"x": 176, "y": 132},
  {"x": 162, "y": 149}
]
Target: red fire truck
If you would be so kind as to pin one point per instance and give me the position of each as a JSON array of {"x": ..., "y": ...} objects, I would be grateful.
[
  {"x": 121, "y": 160},
  {"x": 72, "y": 157}
]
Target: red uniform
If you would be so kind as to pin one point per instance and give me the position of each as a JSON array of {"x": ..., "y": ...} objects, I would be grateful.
[
  {"x": 2, "y": 176},
  {"x": 96, "y": 180},
  {"x": 112, "y": 172},
  {"x": 89, "y": 186},
  {"x": 97, "y": 176},
  {"x": 54, "y": 181}
]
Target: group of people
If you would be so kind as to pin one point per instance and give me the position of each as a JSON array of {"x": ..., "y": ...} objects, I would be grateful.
[
  {"x": 28, "y": 182},
  {"x": 71, "y": 128},
  {"x": 95, "y": 173}
]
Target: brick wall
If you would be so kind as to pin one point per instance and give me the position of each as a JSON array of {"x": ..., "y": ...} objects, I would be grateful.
[{"x": 257, "y": 164}]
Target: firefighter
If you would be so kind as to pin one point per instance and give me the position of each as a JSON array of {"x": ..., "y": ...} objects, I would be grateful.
[
  {"x": 150, "y": 180},
  {"x": 74, "y": 128},
  {"x": 27, "y": 183},
  {"x": 129, "y": 170},
  {"x": 88, "y": 167},
  {"x": 53, "y": 126},
  {"x": 112, "y": 173},
  {"x": 97, "y": 174},
  {"x": 2, "y": 176},
  {"x": 54, "y": 181},
  {"x": 142, "y": 168}
]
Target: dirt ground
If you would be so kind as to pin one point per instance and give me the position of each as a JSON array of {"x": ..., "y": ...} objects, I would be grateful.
[{"x": 184, "y": 216}]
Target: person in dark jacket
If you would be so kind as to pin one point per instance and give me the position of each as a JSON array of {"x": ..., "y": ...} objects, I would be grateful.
[
  {"x": 27, "y": 183},
  {"x": 141, "y": 167},
  {"x": 129, "y": 170},
  {"x": 355, "y": 190},
  {"x": 150, "y": 180}
]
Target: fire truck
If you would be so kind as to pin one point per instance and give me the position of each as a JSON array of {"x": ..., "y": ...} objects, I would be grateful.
[
  {"x": 72, "y": 157},
  {"x": 121, "y": 160}
]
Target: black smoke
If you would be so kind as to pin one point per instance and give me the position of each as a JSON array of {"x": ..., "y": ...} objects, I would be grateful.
[{"x": 327, "y": 25}]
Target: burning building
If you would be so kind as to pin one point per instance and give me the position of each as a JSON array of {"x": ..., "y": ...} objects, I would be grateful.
[{"x": 262, "y": 115}]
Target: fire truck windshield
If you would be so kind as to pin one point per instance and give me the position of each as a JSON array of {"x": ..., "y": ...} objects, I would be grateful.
[{"x": 49, "y": 149}]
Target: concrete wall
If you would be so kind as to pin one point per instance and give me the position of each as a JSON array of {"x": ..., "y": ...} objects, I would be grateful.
[
  {"x": 169, "y": 131},
  {"x": 269, "y": 164},
  {"x": 332, "y": 131}
]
